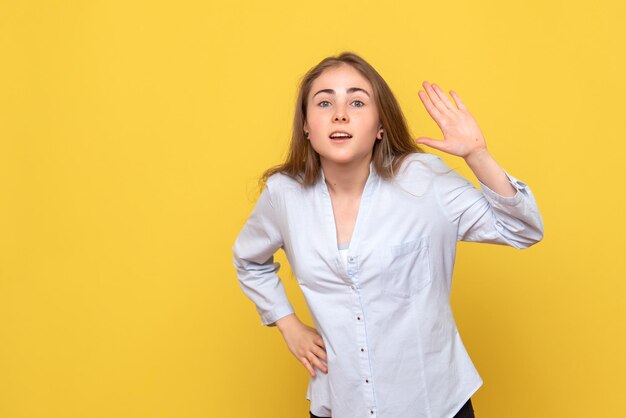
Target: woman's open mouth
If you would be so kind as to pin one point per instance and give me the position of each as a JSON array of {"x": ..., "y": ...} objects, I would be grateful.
[{"x": 340, "y": 136}]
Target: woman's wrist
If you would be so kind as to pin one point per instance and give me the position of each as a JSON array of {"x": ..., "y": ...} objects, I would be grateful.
[
  {"x": 490, "y": 173},
  {"x": 477, "y": 158},
  {"x": 286, "y": 322}
]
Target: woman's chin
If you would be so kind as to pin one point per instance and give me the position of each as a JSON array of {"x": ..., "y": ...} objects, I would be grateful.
[{"x": 343, "y": 158}]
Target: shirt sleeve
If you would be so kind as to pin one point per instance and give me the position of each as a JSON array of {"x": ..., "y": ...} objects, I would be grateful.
[
  {"x": 253, "y": 257},
  {"x": 484, "y": 215}
]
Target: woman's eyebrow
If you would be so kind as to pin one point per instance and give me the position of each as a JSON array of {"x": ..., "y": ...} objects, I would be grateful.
[{"x": 350, "y": 90}]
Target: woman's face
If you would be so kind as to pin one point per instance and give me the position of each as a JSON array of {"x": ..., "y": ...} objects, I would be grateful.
[{"x": 341, "y": 99}]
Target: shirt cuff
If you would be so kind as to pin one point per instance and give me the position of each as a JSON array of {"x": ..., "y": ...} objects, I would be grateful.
[
  {"x": 269, "y": 319},
  {"x": 519, "y": 186}
]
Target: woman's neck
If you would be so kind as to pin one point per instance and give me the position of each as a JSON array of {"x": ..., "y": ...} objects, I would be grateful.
[{"x": 346, "y": 179}]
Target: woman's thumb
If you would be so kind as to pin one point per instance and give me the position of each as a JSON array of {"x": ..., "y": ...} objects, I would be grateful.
[{"x": 428, "y": 141}]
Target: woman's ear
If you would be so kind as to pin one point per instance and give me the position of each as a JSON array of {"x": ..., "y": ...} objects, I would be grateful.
[
  {"x": 306, "y": 130},
  {"x": 381, "y": 131}
]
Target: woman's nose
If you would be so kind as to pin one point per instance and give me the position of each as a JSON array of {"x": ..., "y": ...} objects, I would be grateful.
[{"x": 340, "y": 115}]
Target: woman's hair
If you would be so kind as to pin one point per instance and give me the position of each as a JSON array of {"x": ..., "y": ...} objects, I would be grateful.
[{"x": 303, "y": 162}]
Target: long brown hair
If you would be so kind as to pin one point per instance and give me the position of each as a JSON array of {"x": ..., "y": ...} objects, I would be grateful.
[{"x": 303, "y": 162}]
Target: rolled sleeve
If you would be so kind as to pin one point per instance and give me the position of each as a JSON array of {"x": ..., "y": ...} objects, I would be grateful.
[
  {"x": 486, "y": 216},
  {"x": 495, "y": 198}
]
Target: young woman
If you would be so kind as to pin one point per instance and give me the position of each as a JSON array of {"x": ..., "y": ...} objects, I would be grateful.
[{"x": 369, "y": 223}]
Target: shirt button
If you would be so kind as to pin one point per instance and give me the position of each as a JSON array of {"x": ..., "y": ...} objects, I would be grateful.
[
  {"x": 362, "y": 349},
  {"x": 371, "y": 412},
  {"x": 358, "y": 318},
  {"x": 351, "y": 259},
  {"x": 367, "y": 381}
]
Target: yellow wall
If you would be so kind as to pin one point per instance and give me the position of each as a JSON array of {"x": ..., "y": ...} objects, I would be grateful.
[{"x": 131, "y": 136}]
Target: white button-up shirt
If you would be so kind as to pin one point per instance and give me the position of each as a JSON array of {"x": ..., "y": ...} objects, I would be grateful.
[{"x": 393, "y": 347}]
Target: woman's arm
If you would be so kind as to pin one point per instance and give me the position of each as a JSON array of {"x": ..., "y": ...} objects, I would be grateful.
[
  {"x": 505, "y": 211},
  {"x": 253, "y": 258},
  {"x": 490, "y": 173},
  {"x": 484, "y": 215}
]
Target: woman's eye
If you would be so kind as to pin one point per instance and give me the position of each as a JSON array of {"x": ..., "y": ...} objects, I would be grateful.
[{"x": 359, "y": 103}]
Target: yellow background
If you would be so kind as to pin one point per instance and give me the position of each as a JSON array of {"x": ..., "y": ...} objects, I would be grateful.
[{"x": 131, "y": 138}]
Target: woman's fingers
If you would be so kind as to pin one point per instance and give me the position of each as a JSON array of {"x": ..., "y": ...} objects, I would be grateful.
[
  {"x": 308, "y": 366},
  {"x": 319, "y": 352},
  {"x": 436, "y": 99},
  {"x": 309, "y": 349},
  {"x": 458, "y": 100},
  {"x": 430, "y": 107},
  {"x": 309, "y": 363},
  {"x": 320, "y": 341},
  {"x": 314, "y": 357},
  {"x": 443, "y": 97},
  {"x": 317, "y": 363}
]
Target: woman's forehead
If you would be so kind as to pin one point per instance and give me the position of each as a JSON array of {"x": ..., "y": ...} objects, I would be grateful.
[{"x": 341, "y": 79}]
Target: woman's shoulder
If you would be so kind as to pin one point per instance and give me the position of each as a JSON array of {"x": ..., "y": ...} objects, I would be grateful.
[
  {"x": 417, "y": 172},
  {"x": 420, "y": 163},
  {"x": 280, "y": 182}
]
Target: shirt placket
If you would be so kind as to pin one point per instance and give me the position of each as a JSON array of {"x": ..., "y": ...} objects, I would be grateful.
[{"x": 362, "y": 347}]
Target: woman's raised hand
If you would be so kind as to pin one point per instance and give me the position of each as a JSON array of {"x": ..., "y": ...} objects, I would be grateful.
[
  {"x": 461, "y": 135},
  {"x": 304, "y": 343}
]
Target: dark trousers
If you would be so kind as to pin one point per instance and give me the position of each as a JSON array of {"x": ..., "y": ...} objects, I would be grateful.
[{"x": 467, "y": 411}]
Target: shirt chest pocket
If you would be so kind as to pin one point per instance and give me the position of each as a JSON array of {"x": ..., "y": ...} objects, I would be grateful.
[{"x": 408, "y": 268}]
